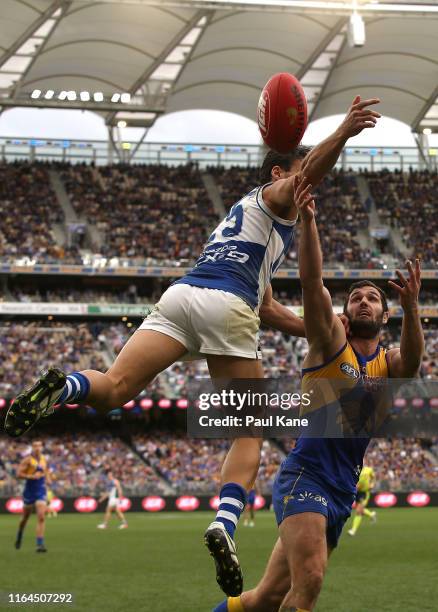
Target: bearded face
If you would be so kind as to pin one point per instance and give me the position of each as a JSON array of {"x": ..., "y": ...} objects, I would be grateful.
[{"x": 365, "y": 313}]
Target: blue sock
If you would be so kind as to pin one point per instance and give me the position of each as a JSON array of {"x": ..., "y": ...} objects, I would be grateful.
[
  {"x": 77, "y": 387},
  {"x": 40, "y": 541},
  {"x": 19, "y": 535},
  {"x": 232, "y": 502},
  {"x": 222, "y": 607}
]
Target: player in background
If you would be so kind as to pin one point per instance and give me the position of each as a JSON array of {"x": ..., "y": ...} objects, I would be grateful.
[
  {"x": 365, "y": 485},
  {"x": 316, "y": 485},
  {"x": 249, "y": 516},
  {"x": 33, "y": 469},
  {"x": 213, "y": 312},
  {"x": 51, "y": 512},
  {"x": 114, "y": 495}
]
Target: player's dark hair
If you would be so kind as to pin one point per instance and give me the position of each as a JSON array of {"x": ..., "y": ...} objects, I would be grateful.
[
  {"x": 284, "y": 160},
  {"x": 366, "y": 283}
]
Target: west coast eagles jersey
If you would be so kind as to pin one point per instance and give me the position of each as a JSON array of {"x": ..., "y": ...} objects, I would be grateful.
[
  {"x": 35, "y": 465},
  {"x": 342, "y": 380},
  {"x": 244, "y": 251}
]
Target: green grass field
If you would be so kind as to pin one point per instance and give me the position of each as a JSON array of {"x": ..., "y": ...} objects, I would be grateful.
[{"x": 160, "y": 564}]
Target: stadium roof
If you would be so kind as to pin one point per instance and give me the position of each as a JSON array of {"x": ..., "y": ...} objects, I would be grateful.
[{"x": 193, "y": 54}]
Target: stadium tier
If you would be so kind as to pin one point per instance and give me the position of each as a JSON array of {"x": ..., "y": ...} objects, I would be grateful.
[
  {"x": 162, "y": 214},
  {"x": 27, "y": 347},
  {"x": 160, "y": 462}
]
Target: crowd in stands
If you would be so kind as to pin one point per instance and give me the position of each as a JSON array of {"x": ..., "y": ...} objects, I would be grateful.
[
  {"x": 408, "y": 201},
  {"x": 194, "y": 465},
  {"x": 155, "y": 211},
  {"x": 163, "y": 462},
  {"x": 29, "y": 208},
  {"x": 77, "y": 464},
  {"x": 26, "y": 348},
  {"x": 149, "y": 213},
  {"x": 402, "y": 464}
]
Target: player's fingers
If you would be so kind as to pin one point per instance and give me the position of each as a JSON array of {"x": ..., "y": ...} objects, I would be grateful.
[
  {"x": 395, "y": 286},
  {"x": 372, "y": 113},
  {"x": 410, "y": 270},
  {"x": 304, "y": 191},
  {"x": 372, "y": 120},
  {"x": 369, "y": 102},
  {"x": 402, "y": 278},
  {"x": 369, "y": 115},
  {"x": 355, "y": 101},
  {"x": 417, "y": 269},
  {"x": 366, "y": 124}
]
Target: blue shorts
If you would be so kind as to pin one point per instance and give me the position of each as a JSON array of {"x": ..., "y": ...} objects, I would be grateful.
[
  {"x": 251, "y": 498},
  {"x": 30, "y": 498},
  {"x": 297, "y": 490}
]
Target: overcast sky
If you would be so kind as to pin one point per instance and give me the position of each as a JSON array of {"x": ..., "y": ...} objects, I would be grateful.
[{"x": 187, "y": 127}]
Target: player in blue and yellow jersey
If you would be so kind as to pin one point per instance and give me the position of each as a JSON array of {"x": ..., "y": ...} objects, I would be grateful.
[
  {"x": 316, "y": 485},
  {"x": 213, "y": 312},
  {"x": 33, "y": 469},
  {"x": 365, "y": 484}
]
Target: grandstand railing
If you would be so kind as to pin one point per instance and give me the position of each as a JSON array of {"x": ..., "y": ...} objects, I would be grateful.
[
  {"x": 176, "y": 271},
  {"x": 101, "y": 152},
  {"x": 107, "y": 309}
]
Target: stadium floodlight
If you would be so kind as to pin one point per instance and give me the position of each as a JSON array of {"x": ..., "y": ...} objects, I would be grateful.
[
  {"x": 115, "y": 98},
  {"x": 427, "y": 131},
  {"x": 84, "y": 96},
  {"x": 356, "y": 31},
  {"x": 98, "y": 96},
  {"x": 35, "y": 94},
  {"x": 63, "y": 95},
  {"x": 49, "y": 94},
  {"x": 71, "y": 95},
  {"x": 121, "y": 124},
  {"x": 125, "y": 98}
]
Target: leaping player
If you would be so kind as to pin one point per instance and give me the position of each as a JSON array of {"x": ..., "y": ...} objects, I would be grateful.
[
  {"x": 365, "y": 485},
  {"x": 316, "y": 485},
  {"x": 33, "y": 469},
  {"x": 213, "y": 312},
  {"x": 114, "y": 495}
]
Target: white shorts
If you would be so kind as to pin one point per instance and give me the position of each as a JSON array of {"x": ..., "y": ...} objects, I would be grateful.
[
  {"x": 206, "y": 322},
  {"x": 113, "y": 502}
]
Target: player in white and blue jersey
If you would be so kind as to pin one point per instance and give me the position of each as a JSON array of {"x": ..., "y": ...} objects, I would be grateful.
[
  {"x": 114, "y": 496},
  {"x": 213, "y": 312}
]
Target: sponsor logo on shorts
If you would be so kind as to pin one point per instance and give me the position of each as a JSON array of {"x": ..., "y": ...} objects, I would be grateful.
[
  {"x": 306, "y": 496},
  {"x": 349, "y": 370}
]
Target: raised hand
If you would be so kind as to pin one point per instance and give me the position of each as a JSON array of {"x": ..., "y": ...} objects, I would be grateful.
[
  {"x": 410, "y": 288},
  {"x": 359, "y": 117},
  {"x": 303, "y": 198}
]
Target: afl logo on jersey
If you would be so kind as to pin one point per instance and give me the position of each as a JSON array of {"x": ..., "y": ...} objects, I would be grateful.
[
  {"x": 263, "y": 112},
  {"x": 349, "y": 370}
]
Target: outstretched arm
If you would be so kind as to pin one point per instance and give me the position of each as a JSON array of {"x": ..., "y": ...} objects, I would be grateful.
[
  {"x": 275, "y": 315},
  {"x": 324, "y": 156},
  {"x": 324, "y": 330},
  {"x": 405, "y": 362}
]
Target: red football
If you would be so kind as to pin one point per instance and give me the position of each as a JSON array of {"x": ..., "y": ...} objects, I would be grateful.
[{"x": 282, "y": 112}]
